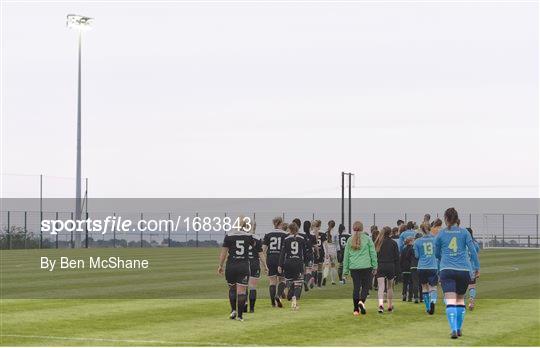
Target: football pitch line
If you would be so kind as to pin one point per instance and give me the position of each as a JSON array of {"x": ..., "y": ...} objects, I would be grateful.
[{"x": 173, "y": 343}]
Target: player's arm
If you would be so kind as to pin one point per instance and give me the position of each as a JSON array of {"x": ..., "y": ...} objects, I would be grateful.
[
  {"x": 473, "y": 254},
  {"x": 222, "y": 257},
  {"x": 438, "y": 246},
  {"x": 416, "y": 246},
  {"x": 373, "y": 255},
  {"x": 397, "y": 264},
  {"x": 346, "y": 258}
]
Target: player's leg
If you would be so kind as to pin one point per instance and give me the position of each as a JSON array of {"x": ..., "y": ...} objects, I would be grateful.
[
  {"x": 380, "y": 292},
  {"x": 272, "y": 280},
  {"x": 281, "y": 288},
  {"x": 355, "y": 276},
  {"x": 231, "y": 282},
  {"x": 462, "y": 281},
  {"x": 415, "y": 284},
  {"x": 448, "y": 282},
  {"x": 252, "y": 292},
  {"x": 340, "y": 267},
  {"x": 432, "y": 287},
  {"x": 320, "y": 266},
  {"x": 242, "y": 297},
  {"x": 390, "y": 293},
  {"x": 472, "y": 292},
  {"x": 365, "y": 281}
]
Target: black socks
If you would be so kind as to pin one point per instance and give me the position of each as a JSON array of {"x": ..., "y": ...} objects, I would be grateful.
[
  {"x": 273, "y": 295},
  {"x": 232, "y": 297},
  {"x": 241, "y": 303},
  {"x": 252, "y": 299}
]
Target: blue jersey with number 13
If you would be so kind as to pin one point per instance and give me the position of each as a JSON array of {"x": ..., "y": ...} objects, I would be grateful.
[
  {"x": 424, "y": 251},
  {"x": 453, "y": 247}
]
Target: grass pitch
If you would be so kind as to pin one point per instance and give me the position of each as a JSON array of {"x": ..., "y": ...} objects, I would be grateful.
[{"x": 181, "y": 301}]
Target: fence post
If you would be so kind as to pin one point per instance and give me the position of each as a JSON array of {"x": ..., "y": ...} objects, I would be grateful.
[
  {"x": 470, "y": 220},
  {"x": 169, "y": 230},
  {"x": 71, "y": 240},
  {"x": 503, "y": 230},
  {"x": 141, "y": 231},
  {"x": 86, "y": 228},
  {"x": 405, "y": 218},
  {"x": 537, "y": 230},
  {"x": 114, "y": 233},
  {"x": 57, "y": 232},
  {"x": 313, "y": 216},
  {"x": 8, "y": 231},
  {"x": 25, "y": 230},
  {"x": 283, "y": 216},
  {"x": 197, "y": 234},
  {"x": 528, "y": 241},
  {"x": 374, "y": 220},
  {"x": 40, "y": 210}
]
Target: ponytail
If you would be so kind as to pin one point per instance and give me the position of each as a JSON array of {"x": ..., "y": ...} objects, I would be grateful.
[{"x": 358, "y": 228}]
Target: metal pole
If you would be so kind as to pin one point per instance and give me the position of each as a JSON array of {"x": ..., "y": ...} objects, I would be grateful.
[
  {"x": 56, "y": 233},
  {"x": 350, "y": 203},
  {"x": 197, "y": 234},
  {"x": 470, "y": 220},
  {"x": 40, "y": 210},
  {"x": 25, "y": 230},
  {"x": 78, "y": 178},
  {"x": 537, "y": 230},
  {"x": 169, "y": 228},
  {"x": 114, "y": 233},
  {"x": 71, "y": 239},
  {"x": 374, "y": 220},
  {"x": 8, "y": 232},
  {"x": 141, "y": 232},
  {"x": 343, "y": 198},
  {"x": 503, "y": 230}
]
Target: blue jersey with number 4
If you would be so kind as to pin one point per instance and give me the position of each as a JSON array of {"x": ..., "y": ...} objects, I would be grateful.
[
  {"x": 424, "y": 251},
  {"x": 454, "y": 247}
]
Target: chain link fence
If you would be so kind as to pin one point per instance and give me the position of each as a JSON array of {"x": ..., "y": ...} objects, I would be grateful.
[{"x": 22, "y": 229}]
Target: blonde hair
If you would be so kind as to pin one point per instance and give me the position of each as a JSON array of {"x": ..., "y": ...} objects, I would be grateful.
[
  {"x": 242, "y": 223},
  {"x": 277, "y": 221},
  {"x": 356, "y": 242}
]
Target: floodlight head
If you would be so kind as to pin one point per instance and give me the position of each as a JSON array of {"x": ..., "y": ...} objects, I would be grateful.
[{"x": 79, "y": 22}]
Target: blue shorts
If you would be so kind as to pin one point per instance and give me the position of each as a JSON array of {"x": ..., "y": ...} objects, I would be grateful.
[
  {"x": 455, "y": 281},
  {"x": 428, "y": 276}
]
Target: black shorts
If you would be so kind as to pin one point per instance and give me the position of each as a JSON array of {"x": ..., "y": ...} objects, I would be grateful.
[
  {"x": 272, "y": 264},
  {"x": 254, "y": 268},
  {"x": 455, "y": 281},
  {"x": 308, "y": 261},
  {"x": 320, "y": 259},
  {"x": 237, "y": 272},
  {"x": 294, "y": 270},
  {"x": 386, "y": 270},
  {"x": 340, "y": 255},
  {"x": 428, "y": 276}
]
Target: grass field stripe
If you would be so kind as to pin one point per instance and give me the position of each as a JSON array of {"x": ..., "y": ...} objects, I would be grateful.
[{"x": 111, "y": 340}]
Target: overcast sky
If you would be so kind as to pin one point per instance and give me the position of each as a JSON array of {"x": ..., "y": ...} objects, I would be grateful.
[{"x": 274, "y": 100}]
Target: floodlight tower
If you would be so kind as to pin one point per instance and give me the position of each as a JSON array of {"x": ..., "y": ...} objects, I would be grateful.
[{"x": 80, "y": 24}]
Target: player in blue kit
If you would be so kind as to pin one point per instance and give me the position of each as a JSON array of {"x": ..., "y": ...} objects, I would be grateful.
[
  {"x": 472, "y": 284},
  {"x": 424, "y": 251},
  {"x": 455, "y": 249},
  {"x": 409, "y": 232}
]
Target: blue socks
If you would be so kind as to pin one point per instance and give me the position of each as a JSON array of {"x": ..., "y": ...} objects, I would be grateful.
[
  {"x": 425, "y": 298},
  {"x": 460, "y": 309},
  {"x": 472, "y": 293},
  {"x": 434, "y": 296},
  {"x": 451, "y": 315}
]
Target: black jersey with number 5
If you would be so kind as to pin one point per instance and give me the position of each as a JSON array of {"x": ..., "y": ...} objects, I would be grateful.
[
  {"x": 293, "y": 249},
  {"x": 238, "y": 243}
]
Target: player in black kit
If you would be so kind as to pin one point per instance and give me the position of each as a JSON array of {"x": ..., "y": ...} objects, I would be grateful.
[
  {"x": 236, "y": 250},
  {"x": 272, "y": 244},
  {"x": 291, "y": 262},
  {"x": 308, "y": 255},
  {"x": 343, "y": 237},
  {"x": 256, "y": 263}
]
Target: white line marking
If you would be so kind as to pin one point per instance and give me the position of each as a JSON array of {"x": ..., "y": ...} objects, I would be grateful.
[{"x": 115, "y": 340}]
